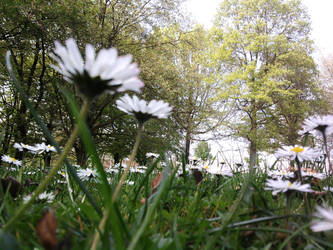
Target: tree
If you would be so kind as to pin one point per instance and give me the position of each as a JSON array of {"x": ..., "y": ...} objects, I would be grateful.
[
  {"x": 185, "y": 84},
  {"x": 263, "y": 53},
  {"x": 29, "y": 29}
]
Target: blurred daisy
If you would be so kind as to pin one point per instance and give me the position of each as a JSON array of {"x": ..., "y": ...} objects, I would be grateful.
[
  {"x": 301, "y": 153},
  {"x": 137, "y": 170},
  {"x": 86, "y": 174},
  {"x": 218, "y": 171},
  {"x": 328, "y": 189},
  {"x": 105, "y": 71},
  {"x": 148, "y": 155},
  {"x": 112, "y": 170},
  {"x": 48, "y": 197},
  {"x": 319, "y": 176},
  {"x": 279, "y": 185},
  {"x": 281, "y": 173},
  {"x": 324, "y": 221},
  {"x": 141, "y": 110},
  {"x": 12, "y": 160},
  {"x": 42, "y": 147},
  {"x": 319, "y": 125},
  {"x": 22, "y": 146}
]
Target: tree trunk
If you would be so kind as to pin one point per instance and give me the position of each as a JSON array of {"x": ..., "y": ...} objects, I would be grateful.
[
  {"x": 253, "y": 154},
  {"x": 80, "y": 152},
  {"x": 187, "y": 146},
  {"x": 253, "y": 136}
]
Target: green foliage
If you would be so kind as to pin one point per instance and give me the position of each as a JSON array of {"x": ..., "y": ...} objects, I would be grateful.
[
  {"x": 202, "y": 151},
  {"x": 263, "y": 51}
]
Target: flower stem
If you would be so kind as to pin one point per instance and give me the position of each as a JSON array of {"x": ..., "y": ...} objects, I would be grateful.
[
  {"x": 305, "y": 195},
  {"x": 133, "y": 154},
  {"x": 327, "y": 154},
  {"x": 117, "y": 190},
  {"x": 53, "y": 171},
  {"x": 299, "y": 170},
  {"x": 288, "y": 196}
]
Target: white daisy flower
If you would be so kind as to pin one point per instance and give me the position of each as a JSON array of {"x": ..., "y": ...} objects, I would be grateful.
[
  {"x": 280, "y": 173},
  {"x": 319, "y": 176},
  {"x": 141, "y": 110},
  {"x": 137, "y": 170},
  {"x": 26, "y": 198},
  {"x": 112, "y": 170},
  {"x": 22, "y": 146},
  {"x": 130, "y": 183},
  {"x": 152, "y": 155},
  {"x": 328, "y": 189},
  {"x": 324, "y": 221},
  {"x": 105, "y": 71},
  {"x": 218, "y": 171},
  {"x": 19, "y": 146},
  {"x": 279, "y": 185},
  {"x": 318, "y": 125},
  {"x": 86, "y": 174},
  {"x": 48, "y": 197},
  {"x": 12, "y": 160},
  {"x": 42, "y": 147},
  {"x": 302, "y": 153}
]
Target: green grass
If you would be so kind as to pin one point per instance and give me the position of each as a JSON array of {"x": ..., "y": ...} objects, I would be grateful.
[{"x": 179, "y": 215}]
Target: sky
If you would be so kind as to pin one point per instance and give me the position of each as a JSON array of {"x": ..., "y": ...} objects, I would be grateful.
[
  {"x": 321, "y": 14},
  {"x": 320, "y": 11}
]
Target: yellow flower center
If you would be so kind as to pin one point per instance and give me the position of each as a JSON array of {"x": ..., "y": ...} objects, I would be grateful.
[
  {"x": 297, "y": 149},
  {"x": 13, "y": 159},
  {"x": 283, "y": 172},
  {"x": 289, "y": 184},
  {"x": 206, "y": 167}
]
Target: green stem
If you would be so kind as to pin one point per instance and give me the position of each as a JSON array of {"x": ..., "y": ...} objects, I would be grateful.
[
  {"x": 117, "y": 190},
  {"x": 299, "y": 170},
  {"x": 54, "y": 170},
  {"x": 133, "y": 154},
  {"x": 327, "y": 154},
  {"x": 288, "y": 194}
]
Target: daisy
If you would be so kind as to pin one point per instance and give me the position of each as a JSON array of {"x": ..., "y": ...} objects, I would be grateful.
[
  {"x": 328, "y": 189},
  {"x": 19, "y": 146},
  {"x": 42, "y": 147},
  {"x": 48, "y": 197},
  {"x": 105, "y": 71},
  {"x": 301, "y": 153},
  {"x": 22, "y": 146},
  {"x": 152, "y": 155},
  {"x": 12, "y": 160},
  {"x": 318, "y": 125},
  {"x": 141, "y": 110},
  {"x": 319, "y": 176},
  {"x": 218, "y": 171},
  {"x": 279, "y": 185},
  {"x": 279, "y": 174},
  {"x": 86, "y": 174},
  {"x": 324, "y": 221}
]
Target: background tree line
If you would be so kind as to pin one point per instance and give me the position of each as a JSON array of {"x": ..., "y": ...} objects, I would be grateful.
[{"x": 250, "y": 76}]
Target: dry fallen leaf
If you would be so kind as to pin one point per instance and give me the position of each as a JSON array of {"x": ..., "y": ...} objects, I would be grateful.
[
  {"x": 197, "y": 176},
  {"x": 46, "y": 230},
  {"x": 156, "y": 181},
  {"x": 14, "y": 186}
]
